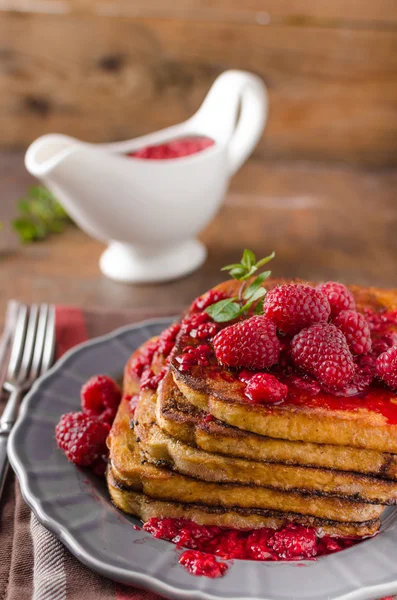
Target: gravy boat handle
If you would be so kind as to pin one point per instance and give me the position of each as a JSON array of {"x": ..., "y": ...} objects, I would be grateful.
[{"x": 234, "y": 113}]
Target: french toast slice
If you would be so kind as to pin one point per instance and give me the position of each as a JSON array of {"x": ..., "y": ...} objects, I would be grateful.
[
  {"x": 368, "y": 421},
  {"x": 161, "y": 449},
  {"x": 183, "y": 421},
  {"x": 163, "y": 484},
  {"x": 144, "y": 507}
]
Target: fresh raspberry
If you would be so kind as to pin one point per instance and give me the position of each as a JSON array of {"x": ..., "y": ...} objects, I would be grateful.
[
  {"x": 263, "y": 388},
  {"x": 355, "y": 328},
  {"x": 360, "y": 382},
  {"x": 211, "y": 297},
  {"x": 339, "y": 297},
  {"x": 100, "y": 397},
  {"x": 294, "y": 542},
  {"x": 245, "y": 375},
  {"x": 82, "y": 438},
  {"x": 252, "y": 343},
  {"x": 384, "y": 342},
  {"x": 386, "y": 367},
  {"x": 322, "y": 351},
  {"x": 295, "y": 306}
]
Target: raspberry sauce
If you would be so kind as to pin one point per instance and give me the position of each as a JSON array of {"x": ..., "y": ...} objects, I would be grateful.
[
  {"x": 174, "y": 149},
  {"x": 289, "y": 543}
]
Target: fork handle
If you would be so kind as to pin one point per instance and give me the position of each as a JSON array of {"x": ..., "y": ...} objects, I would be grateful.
[
  {"x": 4, "y": 464},
  {"x": 10, "y": 411},
  {"x": 7, "y": 421}
]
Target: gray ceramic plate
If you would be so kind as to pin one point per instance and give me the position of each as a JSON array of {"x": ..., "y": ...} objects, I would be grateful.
[{"x": 76, "y": 507}]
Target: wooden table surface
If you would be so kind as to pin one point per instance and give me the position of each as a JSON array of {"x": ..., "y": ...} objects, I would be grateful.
[{"x": 323, "y": 222}]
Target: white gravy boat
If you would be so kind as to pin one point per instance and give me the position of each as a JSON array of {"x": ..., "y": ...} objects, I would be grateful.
[{"x": 149, "y": 212}]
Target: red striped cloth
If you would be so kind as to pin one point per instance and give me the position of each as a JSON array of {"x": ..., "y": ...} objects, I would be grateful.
[{"x": 34, "y": 565}]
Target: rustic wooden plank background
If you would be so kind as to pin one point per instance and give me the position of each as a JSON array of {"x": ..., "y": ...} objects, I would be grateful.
[{"x": 111, "y": 70}]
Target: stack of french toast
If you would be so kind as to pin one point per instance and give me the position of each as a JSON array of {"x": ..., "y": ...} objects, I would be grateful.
[{"x": 189, "y": 442}]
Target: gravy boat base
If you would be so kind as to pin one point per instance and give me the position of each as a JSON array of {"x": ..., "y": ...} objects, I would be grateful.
[{"x": 131, "y": 264}]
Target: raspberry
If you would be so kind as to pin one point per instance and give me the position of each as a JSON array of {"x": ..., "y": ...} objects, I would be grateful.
[
  {"x": 384, "y": 342},
  {"x": 82, "y": 438},
  {"x": 211, "y": 297},
  {"x": 245, "y": 375},
  {"x": 100, "y": 397},
  {"x": 322, "y": 351},
  {"x": 295, "y": 306},
  {"x": 359, "y": 384},
  {"x": 355, "y": 328},
  {"x": 294, "y": 542},
  {"x": 339, "y": 297},
  {"x": 263, "y": 388},
  {"x": 386, "y": 367},
  {"x": 252, "y": 343}
]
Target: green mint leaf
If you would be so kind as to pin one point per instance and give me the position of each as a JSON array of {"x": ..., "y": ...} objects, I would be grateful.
[
  {"x": 260, "y": 293},
  {"x": 24, "y": 206},
  {"x": 256, "y": 296},
  {"x": 238, "y": 272},
  {"x": 255, "y": 285},
  {"x": 252, "y": 270},
  {"x": 40, "y": 215},
  {"x": 224, "y": 310},
  {"x": 265, "y": 260},
  {"x": 229, "y": 267},
  {"x": 258, "y": 310},
  {"x": 27, "y": 230},
  {"x": 248, "y": 259}
]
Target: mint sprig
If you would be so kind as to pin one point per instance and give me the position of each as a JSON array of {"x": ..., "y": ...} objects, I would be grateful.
[
  {"x": 39, "y": 215},
  {"x": 232, "y": 308}
]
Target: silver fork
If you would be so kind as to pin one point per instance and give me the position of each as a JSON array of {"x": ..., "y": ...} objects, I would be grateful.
[{"x": 32, "y": 354}]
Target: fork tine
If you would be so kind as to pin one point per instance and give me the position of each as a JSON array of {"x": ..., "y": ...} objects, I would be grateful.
[
  {"x": 29, "y": 344},
  {"x": 18, "y": 341},
  {"x": 49, "y": 342},
  {"x": 39, "y": 343}
]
